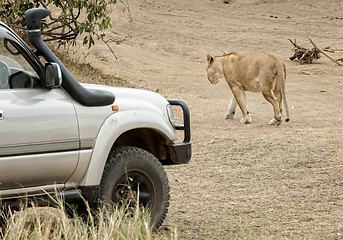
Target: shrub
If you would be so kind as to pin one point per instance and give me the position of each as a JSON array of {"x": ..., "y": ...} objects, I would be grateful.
[{"x": 69, "y": 19}]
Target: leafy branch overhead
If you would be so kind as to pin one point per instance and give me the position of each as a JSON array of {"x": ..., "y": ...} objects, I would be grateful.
[{"x": 69, "y": 19}]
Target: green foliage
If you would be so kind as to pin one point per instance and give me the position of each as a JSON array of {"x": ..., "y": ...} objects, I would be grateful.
[{"x": 68, "y": 20}]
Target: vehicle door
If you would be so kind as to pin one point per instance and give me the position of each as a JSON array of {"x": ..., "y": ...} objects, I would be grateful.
[{"x": 39, "y": 138}]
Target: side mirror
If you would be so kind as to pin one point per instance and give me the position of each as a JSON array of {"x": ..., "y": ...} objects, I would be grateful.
[{"x": 53, "y": 75}]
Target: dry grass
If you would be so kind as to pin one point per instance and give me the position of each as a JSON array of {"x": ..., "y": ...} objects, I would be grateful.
[{"x": 63, "y": 222}]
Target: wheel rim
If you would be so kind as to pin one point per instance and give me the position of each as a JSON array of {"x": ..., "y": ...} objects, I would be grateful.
[{"x": 131, "y": 186}]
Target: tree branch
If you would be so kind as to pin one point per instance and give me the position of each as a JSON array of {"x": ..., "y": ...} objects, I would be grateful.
[{"x": 322, "y": 52}]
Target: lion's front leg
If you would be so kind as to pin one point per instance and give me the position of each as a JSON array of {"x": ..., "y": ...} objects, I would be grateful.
[
  {"x": 246, "y": 119},
  {"x": 232, "y": 109},
  {"x": 239, "y": 94}
]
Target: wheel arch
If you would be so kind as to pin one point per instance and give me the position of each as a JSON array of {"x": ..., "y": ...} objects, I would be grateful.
[
  {"x": 129, "y": 128},
  {"x": 146, "y": 138}
]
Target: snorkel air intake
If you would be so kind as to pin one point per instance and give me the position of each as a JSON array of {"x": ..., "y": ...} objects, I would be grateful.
[{"x": 87, "y": 97}]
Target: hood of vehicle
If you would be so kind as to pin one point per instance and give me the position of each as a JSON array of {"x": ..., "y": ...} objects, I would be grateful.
[{"x": 135, "y": 99}]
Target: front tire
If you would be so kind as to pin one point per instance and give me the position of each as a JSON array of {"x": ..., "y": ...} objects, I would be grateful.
[{"x": 132, "y": 171}]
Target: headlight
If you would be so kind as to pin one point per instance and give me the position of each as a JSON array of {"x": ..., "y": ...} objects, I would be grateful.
[{"x": 171, "y": 115}]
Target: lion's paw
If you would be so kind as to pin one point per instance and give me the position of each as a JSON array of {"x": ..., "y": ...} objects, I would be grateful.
[
  {"x": 275, "y": 122},
  {"x": 246, "y": 121},
  {"x": 230, "y": 116}
]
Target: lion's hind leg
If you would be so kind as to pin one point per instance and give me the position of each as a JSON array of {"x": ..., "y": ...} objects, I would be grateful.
[
  {"x": 278, "y": 96},
  {"x": 270, "y": 97}
]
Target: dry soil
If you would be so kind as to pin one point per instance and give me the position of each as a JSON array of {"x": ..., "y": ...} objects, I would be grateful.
[{"x": 244, "y": 181}]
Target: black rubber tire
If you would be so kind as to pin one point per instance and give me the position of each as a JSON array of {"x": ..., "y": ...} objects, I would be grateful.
[{"x": 131, "y": 166}]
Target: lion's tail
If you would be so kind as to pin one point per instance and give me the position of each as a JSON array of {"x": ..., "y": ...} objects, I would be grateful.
[{"x": 281, "y": 74}]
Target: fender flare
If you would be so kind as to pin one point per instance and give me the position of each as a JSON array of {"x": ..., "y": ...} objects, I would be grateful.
[{"x": 114, "y": 126}]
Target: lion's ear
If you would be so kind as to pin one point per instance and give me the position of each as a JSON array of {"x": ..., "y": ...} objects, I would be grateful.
[{"x": 209, "y": 58}]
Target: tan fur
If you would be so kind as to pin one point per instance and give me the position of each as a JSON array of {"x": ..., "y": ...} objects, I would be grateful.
[{"x": 256, "y": 73}]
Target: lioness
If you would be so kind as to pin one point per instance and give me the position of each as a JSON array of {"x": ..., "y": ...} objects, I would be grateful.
[{"x": 256, "y": 73}]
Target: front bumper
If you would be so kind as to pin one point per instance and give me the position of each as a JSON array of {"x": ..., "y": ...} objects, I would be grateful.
[{"x": 182, "y": 152}]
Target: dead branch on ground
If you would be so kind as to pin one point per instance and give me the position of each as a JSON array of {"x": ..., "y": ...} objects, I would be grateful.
[
  {"x": 325, "y": 54},
  {"x": 304, "y": 55}
]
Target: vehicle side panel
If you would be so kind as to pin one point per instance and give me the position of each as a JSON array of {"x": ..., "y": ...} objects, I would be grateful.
[
  {"x": 33, "y": 170},
  {"x": 36, "y": 115},
  {"x": 39, "y": 140}
]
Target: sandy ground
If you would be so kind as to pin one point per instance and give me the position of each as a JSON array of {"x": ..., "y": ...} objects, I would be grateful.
[{"x": 244, "y": 181}]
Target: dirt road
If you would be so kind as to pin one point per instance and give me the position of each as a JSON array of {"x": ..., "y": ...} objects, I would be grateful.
[{"x": 244, "y": 181}]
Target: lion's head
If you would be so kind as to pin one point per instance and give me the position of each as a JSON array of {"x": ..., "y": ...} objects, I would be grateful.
[{"x": 214, "y": 70}]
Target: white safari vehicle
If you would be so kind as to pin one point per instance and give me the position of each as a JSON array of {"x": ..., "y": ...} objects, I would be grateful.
[{"x": 57, "y": 136}]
